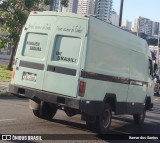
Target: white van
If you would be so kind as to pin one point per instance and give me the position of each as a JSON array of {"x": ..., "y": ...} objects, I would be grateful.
[{"x": 82, "y": 65}]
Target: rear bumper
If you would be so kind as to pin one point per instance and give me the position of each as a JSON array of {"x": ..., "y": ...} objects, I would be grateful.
[{"x": 85, "y": 106}]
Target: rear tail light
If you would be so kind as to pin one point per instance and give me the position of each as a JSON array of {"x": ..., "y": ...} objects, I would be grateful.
[
  {"x": 14, "y": 68},
  {"x": 13, "y": 73},
  {"x": 82, "y": 88}
]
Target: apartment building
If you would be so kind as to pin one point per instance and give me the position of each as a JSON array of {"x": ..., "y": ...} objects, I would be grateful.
[
  {"x": 114, "y": 18},
  {"x": 72, "y": 6},
  {"x": 103, "y": 9},
  {"x": 86, "y": 7},
  {"x": 127, "y": 24},
  {"x": 143, "y": 25}
]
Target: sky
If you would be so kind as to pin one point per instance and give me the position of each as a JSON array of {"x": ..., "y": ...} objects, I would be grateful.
[{"x": 134, "y": 8}]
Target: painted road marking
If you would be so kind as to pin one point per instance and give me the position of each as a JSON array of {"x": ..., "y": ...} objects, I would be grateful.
[
  {"x": 3, "y": 120},
  {"x": 121, "y": 132}
]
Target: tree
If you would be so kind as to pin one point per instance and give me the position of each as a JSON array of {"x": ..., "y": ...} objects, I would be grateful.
[
  {"x": 53, "y": 3},
  {"x": 14, "y": 14},
  {"x": 64, "y": 3}
]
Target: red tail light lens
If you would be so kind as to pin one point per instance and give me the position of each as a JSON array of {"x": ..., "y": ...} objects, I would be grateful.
[
  {"x": 82, "y": 88},
  {"x": 13, "y": 73}
]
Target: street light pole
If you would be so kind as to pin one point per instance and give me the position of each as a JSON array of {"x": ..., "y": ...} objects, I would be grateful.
[
  {"x": 158, "y": 39},
  {"x": 120, "y": 15},
  {"x": 158, "y": 48},
  {"x": 138, "y": 23},
  {"x": 59, "y": 6}
]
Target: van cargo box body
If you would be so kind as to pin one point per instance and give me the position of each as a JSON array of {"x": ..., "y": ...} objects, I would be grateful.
[{"x": 83, "y": 65}]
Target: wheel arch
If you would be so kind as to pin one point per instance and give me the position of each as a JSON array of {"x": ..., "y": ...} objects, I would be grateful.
[
  {"x": 111, "y": 99},
  {"x": 148, "y": 103}
]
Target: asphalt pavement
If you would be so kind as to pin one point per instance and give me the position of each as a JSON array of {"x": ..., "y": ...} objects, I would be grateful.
[
  {"x": 17, "y": 118},
  {"x": 3, "y": 87}
]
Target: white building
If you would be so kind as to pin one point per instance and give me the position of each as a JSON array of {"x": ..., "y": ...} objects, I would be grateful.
[
  {"x": 127, "y": 24},
  {"x": 135, "y": 26},
  {"x": 72, "y": 6},
  {"x": 86, "y": 7},
  {"x": 103, "y": 9},
  {"x": 114, "y": 18},
  {"x": 144, "y": 25},
  {"x": 92, "y": 7}
]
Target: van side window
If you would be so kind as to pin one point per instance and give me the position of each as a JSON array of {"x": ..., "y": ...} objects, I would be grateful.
[{"x": 150, "y": 67}]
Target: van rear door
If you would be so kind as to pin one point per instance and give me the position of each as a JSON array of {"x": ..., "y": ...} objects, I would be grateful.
[
  {"x": 32, "y": 51},
  {"x": 64, "y": 56}
]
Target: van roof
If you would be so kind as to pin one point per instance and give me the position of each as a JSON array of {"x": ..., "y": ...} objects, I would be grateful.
[{"x": 54, "y": 13}]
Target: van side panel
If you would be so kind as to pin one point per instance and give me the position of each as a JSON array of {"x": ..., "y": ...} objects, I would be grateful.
[
  {"x": 138, "y": 71},
  {"x": 104, "y": 56},
  {"x": 109, "y": 66}
]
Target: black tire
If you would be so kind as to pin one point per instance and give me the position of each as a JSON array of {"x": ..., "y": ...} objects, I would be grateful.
[
  {"x": 105, "y": 119},
  {"x": 139, "y": 118},
  {"x": 36, "y": 113},
  {"x": 46, "y": 111},
  {"x": 92, "y": 125}
]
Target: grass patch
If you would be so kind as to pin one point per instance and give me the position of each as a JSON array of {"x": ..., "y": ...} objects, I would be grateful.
[{"x": 5, "y": 74}]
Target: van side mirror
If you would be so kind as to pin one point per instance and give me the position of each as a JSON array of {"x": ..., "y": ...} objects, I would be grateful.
[{"x": 154, "y": 79}]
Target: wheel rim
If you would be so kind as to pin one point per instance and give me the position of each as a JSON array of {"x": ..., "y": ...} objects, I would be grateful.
[{"x": 106, "y": 118}]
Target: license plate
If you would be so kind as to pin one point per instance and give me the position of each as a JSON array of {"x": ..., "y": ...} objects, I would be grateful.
[{"x": 29, "y": 76}]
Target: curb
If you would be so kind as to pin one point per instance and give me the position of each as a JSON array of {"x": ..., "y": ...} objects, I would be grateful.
[
  {"x": 4, "y": 88},
  {"x": 5, "y": 94}
]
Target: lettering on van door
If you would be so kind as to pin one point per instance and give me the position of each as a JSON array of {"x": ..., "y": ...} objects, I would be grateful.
[
  {"x": 45, "y": 26},
  {"x": 66, "y": 49},
  {"x": 63, "y": 58},
  {"x": 34, "y": 45},
  {"x": 74, "y": 29}
]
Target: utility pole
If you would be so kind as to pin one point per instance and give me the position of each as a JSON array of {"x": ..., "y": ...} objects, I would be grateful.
[
  {"x": 120, "y": 15},
  {"x": 158, "y": 49},
  {"x": 138, "y": 22},
  {"x": 158, "y": 40},
  {"x": 59, "y": 6}
]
